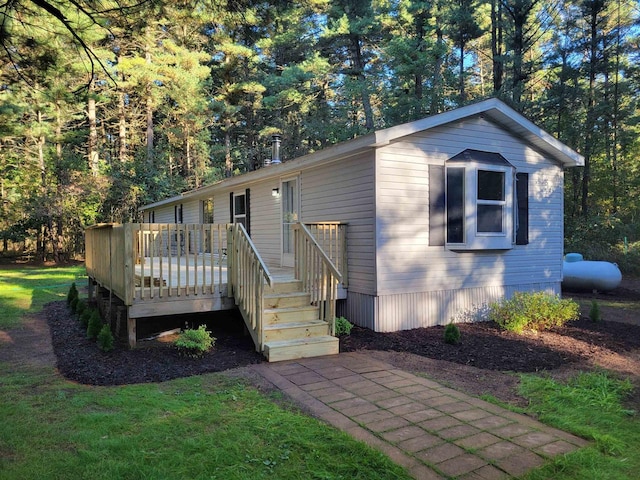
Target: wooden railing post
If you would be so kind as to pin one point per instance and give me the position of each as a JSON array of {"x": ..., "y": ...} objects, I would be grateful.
[
  {"x": 247, "y": 273},
  {"x": 318, "y": 274},
  {"x": 129, "y": 262}
]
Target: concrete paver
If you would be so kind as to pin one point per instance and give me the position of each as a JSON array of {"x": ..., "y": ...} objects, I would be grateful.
[{"x": 433, "y": 431}]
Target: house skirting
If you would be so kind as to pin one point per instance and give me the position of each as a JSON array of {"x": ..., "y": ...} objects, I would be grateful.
[{"x": 390, "y": 313}]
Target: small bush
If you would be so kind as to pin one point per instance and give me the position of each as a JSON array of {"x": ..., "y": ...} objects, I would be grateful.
[
  {"x": 105, "y": 339},
  {"x": 73, "y": 293},
  {"x": 533, "y": 311},
  {"x": 343, "y": 326},
  {"x": 452, "y": 334},
  {"x": 81, "y": 306},
  {"x": 195, "y": 342},
  {"x": 74, "y": 304},
  {"x": 84, "y": 317},
  {"x": 94, "y": 326},
  {"x": 594, "y": 312}
]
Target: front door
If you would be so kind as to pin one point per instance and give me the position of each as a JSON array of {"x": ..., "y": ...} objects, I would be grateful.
[{"x": 290, "y": 215}]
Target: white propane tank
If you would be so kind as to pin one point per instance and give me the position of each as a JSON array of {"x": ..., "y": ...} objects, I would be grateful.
[{"x": 580, "y": 274}]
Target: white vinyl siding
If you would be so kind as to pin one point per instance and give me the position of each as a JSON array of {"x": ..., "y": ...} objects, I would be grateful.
[
  {"x": 427, "y": 309},
  {"x": 191, "y": 212},
  {"x": 265, "y": 220},
  {"x": 407, "y": 265},
  {"x": 165, "y": 214},
  {"x": 344, "y": 192}
]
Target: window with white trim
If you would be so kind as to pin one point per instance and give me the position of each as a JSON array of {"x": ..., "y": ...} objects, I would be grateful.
[
  {"x": 479, "y": 201},
  {"x": 240, "y": 209}
]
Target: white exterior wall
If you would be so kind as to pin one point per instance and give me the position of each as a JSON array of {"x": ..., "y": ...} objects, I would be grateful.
[
  {"x": 264, "y": 216},
  {"x": 192, "y": 211},
  {"x": 421, "y": 285},
  {"x": 345, "y": 192},
  {"x": 266, "y": 221},
  {"x": 165, "y": 214}
]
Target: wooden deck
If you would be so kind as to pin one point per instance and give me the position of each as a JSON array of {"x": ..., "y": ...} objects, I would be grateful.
[{"x": 170, "y": 269}]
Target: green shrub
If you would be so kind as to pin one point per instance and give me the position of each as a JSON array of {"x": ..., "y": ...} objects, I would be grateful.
[
  {"x": 81, "y": 306},
  {"x": 594, "y": 312},
  {"x": 194, "y": 342},
  {"x": 94, "y": 326},
  {"x": 74, "y": 304},
  {"x": 452, "y": 334},
  {"x": 533, "y": 311},
  {"x": 85, "y": 316},
  {"x": 105, "y": 339},
  {"x": 343, "y": 326},
  {"x": 73, "y": 293}
]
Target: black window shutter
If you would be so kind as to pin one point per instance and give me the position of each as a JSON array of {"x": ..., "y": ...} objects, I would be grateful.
[
  {"x": 175, "y": 214},
  {"x": 247, "y": 200},
  {"x": 436, "y": 205},
  {"x": 522, "y": 196},
  {"x": 231, "y": 207},
  {"x": 455, "y": 205}
]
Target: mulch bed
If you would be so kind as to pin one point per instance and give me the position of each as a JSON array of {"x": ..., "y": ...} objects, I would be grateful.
[
  {"x": 81, "y": 360},
  {"x": 482, "y": 346}
]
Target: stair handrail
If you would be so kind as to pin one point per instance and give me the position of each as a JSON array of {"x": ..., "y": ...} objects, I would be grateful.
[
  {"x": 248, "y": 274},
  {"x": 318, "y": 274}
]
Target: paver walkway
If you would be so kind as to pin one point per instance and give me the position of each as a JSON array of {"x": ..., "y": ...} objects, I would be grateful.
[{"x": 433, "y": 431}]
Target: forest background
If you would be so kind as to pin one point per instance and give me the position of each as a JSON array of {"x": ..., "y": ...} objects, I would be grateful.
[{"x": 109, "y": 105}]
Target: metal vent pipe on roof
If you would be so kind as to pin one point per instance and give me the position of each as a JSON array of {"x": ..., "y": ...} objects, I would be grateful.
[{"x": 275, "y": 149}]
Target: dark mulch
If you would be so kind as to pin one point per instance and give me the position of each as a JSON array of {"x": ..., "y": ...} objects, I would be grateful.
[
  {"x": 580, "y": 344},
  {"x": 79, "y": 359},
  {"x": 484, "y": 345}
]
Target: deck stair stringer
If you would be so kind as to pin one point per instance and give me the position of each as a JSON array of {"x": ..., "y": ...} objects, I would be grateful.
[{"x": 292, "y": 328}]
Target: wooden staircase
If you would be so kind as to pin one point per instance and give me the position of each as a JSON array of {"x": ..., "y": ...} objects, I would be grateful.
[{"x": 292, "y": 328}]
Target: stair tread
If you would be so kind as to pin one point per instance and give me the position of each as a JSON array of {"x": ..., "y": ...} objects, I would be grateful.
[
  {"x": 286, "y": 294},
  {"x": 309, "y": 323},
  {"x": 290, "y": 309},
  {"x": 301, "y": 341}
]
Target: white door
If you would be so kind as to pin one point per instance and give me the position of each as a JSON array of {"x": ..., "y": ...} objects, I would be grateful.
[{"x": 290, "y": 215}]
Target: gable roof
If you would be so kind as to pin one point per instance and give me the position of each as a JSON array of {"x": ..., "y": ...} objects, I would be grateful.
[{"x": 492, "y": 109}]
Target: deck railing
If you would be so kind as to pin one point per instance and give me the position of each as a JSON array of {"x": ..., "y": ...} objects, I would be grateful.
[
  {"x": 247, "y": 276},
  {"x": 318, "y": 274},
  {"x": 332, "y": 238},
  {"x": 140, "y": 261}
]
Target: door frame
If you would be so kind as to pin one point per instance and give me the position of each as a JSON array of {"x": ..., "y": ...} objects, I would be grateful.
[{"x": 288, "y": 259}]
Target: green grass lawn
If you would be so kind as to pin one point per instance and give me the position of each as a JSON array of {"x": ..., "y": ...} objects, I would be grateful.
[
  {"x": 214, "y": 427},
  {"x": 202, "y": 427},
  {"x": 26, "y": 290},
  {"x": 591, "y": 406}
]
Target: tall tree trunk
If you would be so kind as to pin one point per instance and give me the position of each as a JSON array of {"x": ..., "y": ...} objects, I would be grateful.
[
  {"x": 595, "y": 8},
  {"x": 436, "y": 92},
  {"x": 496, "y": 45},
  {"x": 93, "y": 130},
  {"x": 616, "y": 112},
  {"x": 150, "y": 132},
  {"x": 122, "y": 129},
  {"x": 358, "y": 68},
  {"x": 228, "y": 162},
  {"x": 55, "y": 225},
  {"x": 149, "y": 102},
  {"x": 419, "y": 77},
  {"x": 463, "y": 96},
  {"x": 518, "y": 52}
]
